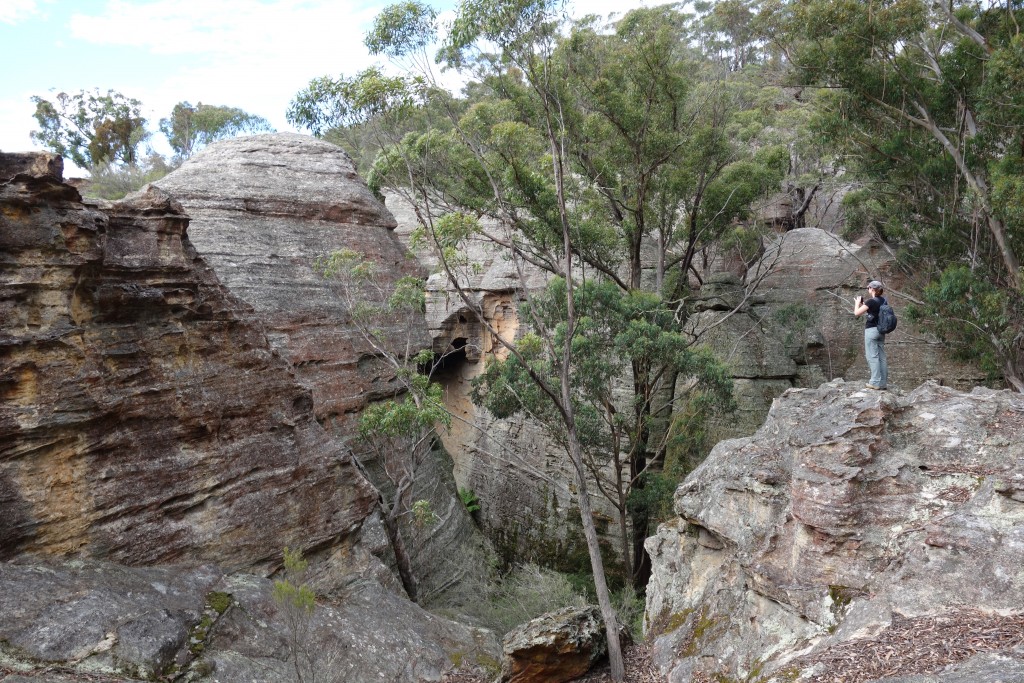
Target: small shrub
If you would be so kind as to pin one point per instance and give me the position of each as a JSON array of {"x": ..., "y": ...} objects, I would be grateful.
[
  {"x": 114, "y": 181},
  {"x": 469, "y": 499},
  {"x": 423, "y": 514},
  {"x": 629, "y": 608},
  {"x": 219, "y": 602},
  {"x": 526, "y": 592}
]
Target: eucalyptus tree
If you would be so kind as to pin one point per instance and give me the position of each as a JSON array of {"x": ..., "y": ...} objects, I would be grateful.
[
  {"x": 396, "y": 433},
  {"x": 91, "y": 127},
  {"x": 586, "y": 146},
  {"x": 189, "y": 127},
  {"x": 525, "y": 35},
  {"x": 926, "y": 99}
]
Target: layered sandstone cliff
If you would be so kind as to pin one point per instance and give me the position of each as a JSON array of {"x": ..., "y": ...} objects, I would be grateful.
[
  {"x": 262, "y": 210},
  {"x": 835, "y": 543},
  {"x": 145, "y": 418}
]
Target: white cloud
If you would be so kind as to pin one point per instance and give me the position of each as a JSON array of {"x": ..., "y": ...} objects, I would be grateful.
[
  {"x": 242, "y": 53},
  {"x": 256, "y": 56},
  {"x": 15, "y": 115},
  {"x": 232, "y": 28},
  {"x": 14, "y": 11}
]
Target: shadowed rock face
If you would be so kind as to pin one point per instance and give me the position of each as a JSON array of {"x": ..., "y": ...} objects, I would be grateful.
[
  {"x": 144, "y": 418},
  {"x": 848, "y": 511},
  {"x": 811, "y": 279}
]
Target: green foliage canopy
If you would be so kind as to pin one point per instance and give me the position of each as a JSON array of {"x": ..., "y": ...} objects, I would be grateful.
[
  {"x": 925, "y": 101},
  {"x": 189, "y": 128},
  {"x": 91, "y": 127}
]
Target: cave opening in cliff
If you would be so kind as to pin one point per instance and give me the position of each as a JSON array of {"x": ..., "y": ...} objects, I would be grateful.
[{"x": 448, "y": 365}]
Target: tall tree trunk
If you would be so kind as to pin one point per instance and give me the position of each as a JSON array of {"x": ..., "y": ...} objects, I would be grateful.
[
  {"x": 575, "y": 449},
  {"x": 604, "y": 599}
]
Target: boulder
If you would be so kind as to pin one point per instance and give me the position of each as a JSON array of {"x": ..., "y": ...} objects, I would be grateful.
[
  {"x": 849, "y": 521},
  {"x": 145, "y": 418},
  {"x": 366, "y": 634},
  {"x": 103, "y": 618},
  {"x": 555, "y": 647}
]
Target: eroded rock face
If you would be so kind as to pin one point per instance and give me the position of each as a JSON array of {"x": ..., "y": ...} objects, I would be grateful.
[
  {"x": 144, "y": 416},
  {"x": 811, "y": 277},
  {"x": 263, "y": 209},
  {"x": 848, "y": 510},
  {"x": 764, "y": 356},
  {"x": 521, "y": 477}
]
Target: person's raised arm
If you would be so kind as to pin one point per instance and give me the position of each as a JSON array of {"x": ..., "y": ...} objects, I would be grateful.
[{"x": 859, "y": 307}]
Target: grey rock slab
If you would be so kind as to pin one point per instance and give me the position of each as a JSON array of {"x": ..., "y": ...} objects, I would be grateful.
[
  {"x": 987, "y": 668},
  {"x": 367, "y": 634},
  {"x": 846, "y": 507},
  {"x": 101, "y": 615}
]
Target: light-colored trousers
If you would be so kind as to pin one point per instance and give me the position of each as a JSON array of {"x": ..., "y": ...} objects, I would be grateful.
[{"x": 874, "y": 349}]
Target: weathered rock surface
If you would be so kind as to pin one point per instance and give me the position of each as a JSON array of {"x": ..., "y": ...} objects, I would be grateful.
[
  {"x": 367, "y": 634},
  {"x": 521, "y": 477},
  {"x": 263, "y": 209},
  {"x": 119, "y": 622},
  {"x": 978, "y": 669},
  {"x": 764, "y": 356},
  {"x": 102, "y": 617},
  {"x": 555, "y": 647},
  {"x": 145, "y": 418},
  {"x": 847, "y": 512}
]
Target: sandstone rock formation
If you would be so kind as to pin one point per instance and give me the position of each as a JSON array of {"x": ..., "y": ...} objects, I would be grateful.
[
  {"x": 849, "y": 515},
  {"x": 764, "y": 355},
  {"x": 811, "y": 277},
  {"x": 145, "y": 418},
  {"x": 263, "y": 209},
  {"x": 789, "y": 324},
  {"x": 521, "y": 477}
]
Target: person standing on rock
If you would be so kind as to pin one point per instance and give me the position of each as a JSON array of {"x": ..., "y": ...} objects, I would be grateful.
[{"x": 874, "y": 341}]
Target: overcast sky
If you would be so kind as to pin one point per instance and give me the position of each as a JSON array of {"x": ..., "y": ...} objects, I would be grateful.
[{"x": 253, "y": 54}]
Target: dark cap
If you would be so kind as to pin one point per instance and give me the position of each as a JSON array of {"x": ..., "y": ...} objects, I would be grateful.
[{"x": 875, "y": 284}]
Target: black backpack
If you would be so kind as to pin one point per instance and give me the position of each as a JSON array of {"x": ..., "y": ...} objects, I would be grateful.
[{"x": 886, "y": 318}]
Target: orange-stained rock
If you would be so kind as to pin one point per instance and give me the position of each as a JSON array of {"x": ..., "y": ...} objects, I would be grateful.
[{"x": 144, "y": 417}]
